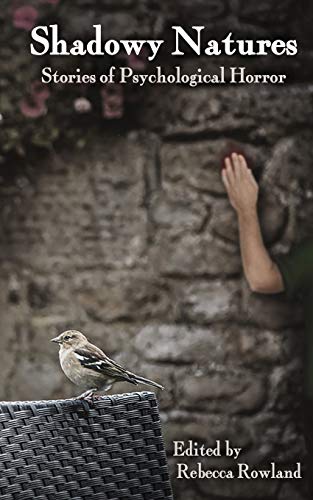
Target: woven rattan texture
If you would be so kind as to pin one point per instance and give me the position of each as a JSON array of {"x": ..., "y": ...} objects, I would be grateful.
[{"x": 62, "y": 450}]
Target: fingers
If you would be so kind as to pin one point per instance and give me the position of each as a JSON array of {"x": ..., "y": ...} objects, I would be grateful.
[
  {"x": 225, "y": 180},
  {"x": 229, "y": 171},
  {"x": 236, "y": 171},
  {"x": 236, "y": 167},
  {"x": 236, "y": 163},
  {"x": 243, "y": 162},
  {"x": 239, "y": 163},
  {"x": 239, "y": 183}
]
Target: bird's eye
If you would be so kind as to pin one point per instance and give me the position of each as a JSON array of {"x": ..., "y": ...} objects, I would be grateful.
[{"x": 67, "y": 337}]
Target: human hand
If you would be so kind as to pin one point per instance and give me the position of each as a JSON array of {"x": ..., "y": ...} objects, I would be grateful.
[{"x": 240, "y": 184}]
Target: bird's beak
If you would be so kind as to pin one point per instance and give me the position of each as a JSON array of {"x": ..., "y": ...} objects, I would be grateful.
[{"x": 57, "y": 340}]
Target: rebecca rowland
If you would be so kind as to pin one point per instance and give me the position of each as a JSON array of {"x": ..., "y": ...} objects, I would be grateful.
[
  {"x": 237, "y": 471},
  {"x": 243, "y": 471}
]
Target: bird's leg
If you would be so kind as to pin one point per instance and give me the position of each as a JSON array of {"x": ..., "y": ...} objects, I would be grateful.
[
  {"x": 87, "y": 394},
  {"x": 91, "y": 394}
]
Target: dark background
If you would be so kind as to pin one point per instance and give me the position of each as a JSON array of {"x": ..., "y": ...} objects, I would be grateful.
[{"x": 119, "y": 226}]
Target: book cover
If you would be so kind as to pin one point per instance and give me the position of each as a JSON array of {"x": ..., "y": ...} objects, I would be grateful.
[{"x": 156, "y": 195}]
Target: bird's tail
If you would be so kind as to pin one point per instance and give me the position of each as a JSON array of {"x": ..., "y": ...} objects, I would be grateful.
[{"x": 142, "y": 380}]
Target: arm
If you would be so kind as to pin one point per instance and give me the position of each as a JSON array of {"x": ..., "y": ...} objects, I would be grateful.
[{"x": 260, "y": 270}]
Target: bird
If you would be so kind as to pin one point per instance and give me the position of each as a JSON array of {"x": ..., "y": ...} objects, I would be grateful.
[{"x": 90, "y": 368}]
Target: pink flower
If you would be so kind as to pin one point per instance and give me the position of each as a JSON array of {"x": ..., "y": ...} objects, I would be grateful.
[
  {"x": 31, "y": 108},
  {"x": 112, "y": 101},
  {"x": 34, "y": 105},
  {"x": 25, "y": 17}
]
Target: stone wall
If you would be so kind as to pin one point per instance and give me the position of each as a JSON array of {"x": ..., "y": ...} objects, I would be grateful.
[{"x": 134, "y": 243}]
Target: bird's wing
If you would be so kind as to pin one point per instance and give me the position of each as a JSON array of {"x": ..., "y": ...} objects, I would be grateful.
[{"x": 96, "y": 360}]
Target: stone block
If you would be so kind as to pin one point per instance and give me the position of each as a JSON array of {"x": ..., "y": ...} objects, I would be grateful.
[
  {"x": 252, "y": 346},
  {"x": 194, "y": 255},
  {"x": 236, "y": 392},
  {"x": 289, "y": 166},
  {"x": 180, "y": 344},
  {"x": 224, "y": 222},
  {"x": 207, "y": 301},
  {"x": 179, "y": 215},
  {"x": 122, "y": 295},
  {"x": 258, "y": 113}
]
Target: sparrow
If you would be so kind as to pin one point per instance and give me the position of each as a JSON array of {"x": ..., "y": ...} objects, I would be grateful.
[{"x": 88, "y": 367}]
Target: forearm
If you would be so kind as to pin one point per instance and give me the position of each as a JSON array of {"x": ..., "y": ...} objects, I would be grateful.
[{"x": 260, "y": 270}]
